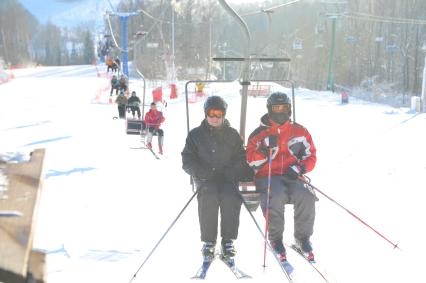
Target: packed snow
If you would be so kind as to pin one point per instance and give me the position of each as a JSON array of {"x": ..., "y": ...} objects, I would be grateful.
[{"x": 105, "y": 206}]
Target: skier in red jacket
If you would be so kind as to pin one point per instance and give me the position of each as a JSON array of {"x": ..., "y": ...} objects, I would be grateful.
[
  {"x": 293, "y": 153},
  {"x": 153, "y": 120}
]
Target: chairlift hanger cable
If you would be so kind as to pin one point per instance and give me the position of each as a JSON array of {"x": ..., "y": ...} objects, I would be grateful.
[
  {"x": 112, "y": 7},
  {"x": 270, "y": 9},
  {"x": 130, "y": 48},
  {"x": 112, "y": 33},
  {"x": 280, "y": 6},
  {"x": 387, "y": 18},
  {"x": 370, "y": 17},
  {"x": 156, "y": 21},
  {"x": 164, "y": 21}
]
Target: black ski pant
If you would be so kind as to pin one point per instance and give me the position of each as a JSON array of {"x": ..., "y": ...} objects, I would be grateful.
[
  {"x": 136, "y": 109},
  {"x": 287, "y": 191},
  {"x": 214, "y": 197},
  {"x": 122, "y": 111},
  {"x": 112, "y": 89}
]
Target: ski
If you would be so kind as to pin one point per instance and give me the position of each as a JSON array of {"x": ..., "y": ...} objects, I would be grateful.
[
  {"x": 285, "y": 265},
  {"x": 288, "y": 267},
  {"x": 153, "y": 153},
  {"x": 230, "y": 263},
  {"x": 202, "y": 271},
  {"x": 313, "y": 263},
  {"x": 150, "y": 149}
]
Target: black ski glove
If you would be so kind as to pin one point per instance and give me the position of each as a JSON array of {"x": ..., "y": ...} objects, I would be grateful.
[
  {"x": 204, "y": 173},
  {"x": 271, "y": 143},
  {"x": 295, "y": 171}
]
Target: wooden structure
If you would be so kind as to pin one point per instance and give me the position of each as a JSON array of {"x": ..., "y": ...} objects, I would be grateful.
[{"x": 19, "y": 204}]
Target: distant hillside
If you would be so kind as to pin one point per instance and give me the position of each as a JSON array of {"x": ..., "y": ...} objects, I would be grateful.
[{"x": 69, "y": 13}]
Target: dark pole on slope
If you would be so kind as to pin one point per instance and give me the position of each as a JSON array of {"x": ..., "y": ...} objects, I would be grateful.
[
  {"x": 164, "y": 235},
  {"x": 245, "y": 76},
  {"x": 307, "y": 181}
]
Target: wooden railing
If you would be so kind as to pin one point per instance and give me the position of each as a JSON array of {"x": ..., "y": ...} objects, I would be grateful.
[{"x": 19, "y": 204}]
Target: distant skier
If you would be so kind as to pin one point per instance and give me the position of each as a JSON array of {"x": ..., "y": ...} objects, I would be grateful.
[
  {"x": 122, "y": 104},
  {"x": 110, "y": 64},
  {"x": 293, "y": 154},
  {"x": 114, "y": 85},
  {"x": 123, "y": 83},
  {"x": 153, "y": 120},
  {"x": 134, "y": 103},
  {"x": 215, "y": 157},
  {"x": 117, "y": 64}
]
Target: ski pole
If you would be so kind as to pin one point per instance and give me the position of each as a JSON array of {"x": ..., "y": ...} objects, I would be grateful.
[
  {"x": 264, "y": 237},
  {"x": 307, "y": 181},
  {"x": 164, "y": 235},
  {"x": 267, "y": 206}
]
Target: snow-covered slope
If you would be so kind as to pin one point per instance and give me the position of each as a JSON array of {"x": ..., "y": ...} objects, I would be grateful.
[{"x": 105, "y": 206}]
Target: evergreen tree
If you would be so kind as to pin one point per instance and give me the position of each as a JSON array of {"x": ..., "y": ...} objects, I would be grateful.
[{"x": 88, "y": 48}]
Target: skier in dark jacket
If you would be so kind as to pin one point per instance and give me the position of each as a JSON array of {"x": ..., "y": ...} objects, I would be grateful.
[
  {"x": 114, "y": 85},
  {"x": 117, "y": 64},
  {"x": 134, "y": 103},
  {"x": 215, "y": 157}
]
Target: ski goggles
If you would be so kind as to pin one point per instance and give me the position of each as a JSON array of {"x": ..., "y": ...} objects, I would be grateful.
[
  {"x": 280, "y": 108},
  {"x": 216, "y": 113}
]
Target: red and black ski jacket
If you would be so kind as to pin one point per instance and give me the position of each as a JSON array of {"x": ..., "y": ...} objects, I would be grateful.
[
  {"x": 295, "y": 147},
  {"x": 154, "y": 119}
]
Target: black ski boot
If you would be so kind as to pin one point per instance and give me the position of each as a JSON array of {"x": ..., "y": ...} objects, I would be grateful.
[
  {"x": 208, "y": 251},
  {"x": 279, "y": 249},
  {"x": 228, "y": 250},
  {"x": 305, "y": 246}
]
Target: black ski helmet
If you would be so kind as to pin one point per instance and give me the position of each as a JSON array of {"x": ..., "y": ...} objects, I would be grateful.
[
  {"x": 215, "y": 102},
  {"x": 277, "y": 98}
]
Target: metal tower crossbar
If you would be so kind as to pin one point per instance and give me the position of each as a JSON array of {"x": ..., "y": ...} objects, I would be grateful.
[{"x": 245, "y": 82}]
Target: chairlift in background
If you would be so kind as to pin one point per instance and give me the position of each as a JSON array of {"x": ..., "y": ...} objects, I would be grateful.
[
  {"x": 152, "y": 44},
  {"x": 391, "y": 45},
  {"x": 319, "y": 28},
  {"x": 379, "y": 39},
  {"x": 391, "y": 48},
  {"x": 350, "y": 39},
  {"x": 297, "y": 44},
  {"x": 139, "y": 33}
]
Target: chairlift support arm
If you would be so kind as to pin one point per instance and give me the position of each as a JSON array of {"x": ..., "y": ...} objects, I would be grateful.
[{"x": 240, "y": 59}]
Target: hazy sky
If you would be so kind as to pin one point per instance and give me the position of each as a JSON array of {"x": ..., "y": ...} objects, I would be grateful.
[{"x": 49, "y": 8}]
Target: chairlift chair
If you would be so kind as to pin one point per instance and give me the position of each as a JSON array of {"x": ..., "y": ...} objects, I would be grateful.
[{"x": 247, "y": 189}]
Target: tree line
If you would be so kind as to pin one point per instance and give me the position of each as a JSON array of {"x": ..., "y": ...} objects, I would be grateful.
[
  {"x": 378, "y": 45},
  {"x": 25, "y": 41}
]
